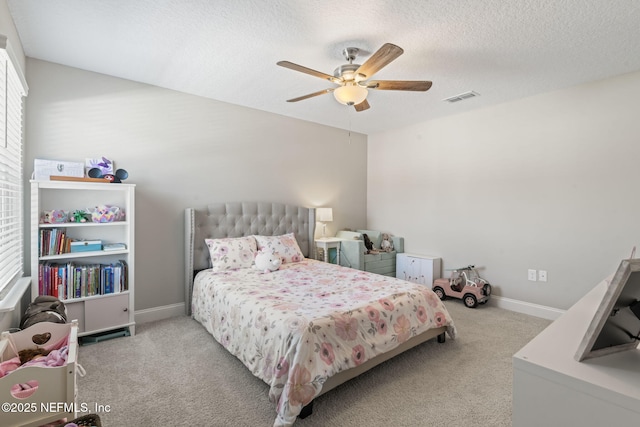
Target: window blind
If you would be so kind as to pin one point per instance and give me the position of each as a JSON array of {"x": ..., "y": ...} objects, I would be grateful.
[{"x": 12, "y": 91}]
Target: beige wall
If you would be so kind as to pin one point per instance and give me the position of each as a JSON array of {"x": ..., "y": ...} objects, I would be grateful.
[
  {"x": 184, "y": 151},
  {"x": 544, "y": 182},
  {"x": 548, "y": 182}
]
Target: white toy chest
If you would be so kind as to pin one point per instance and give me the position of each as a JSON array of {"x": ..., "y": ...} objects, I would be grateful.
[{"x": 55, "y": 395}]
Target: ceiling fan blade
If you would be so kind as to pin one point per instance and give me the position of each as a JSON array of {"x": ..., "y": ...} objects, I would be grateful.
[
  {"x": 415, "y": 85},
  {"x": 296, "y": 67},
  {"x": 311, "y": 95},
  {"x": 364, "y": 105},
  {"x": 383, "y": 56}
]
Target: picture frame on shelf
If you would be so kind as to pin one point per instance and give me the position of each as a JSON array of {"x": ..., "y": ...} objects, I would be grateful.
[{"x": 615, "y": 326}]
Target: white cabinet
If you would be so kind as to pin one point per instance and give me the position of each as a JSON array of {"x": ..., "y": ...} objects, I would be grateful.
[
  {"x": 423, "y": 269},
  {"x": 551, "y": 388},
  {"x": 97, "y": 286}
]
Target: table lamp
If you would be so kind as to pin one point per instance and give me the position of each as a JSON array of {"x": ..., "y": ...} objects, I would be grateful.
[{"x": 324, "y": 215}]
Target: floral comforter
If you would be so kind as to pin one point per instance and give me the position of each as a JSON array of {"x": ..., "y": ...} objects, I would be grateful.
[{"x": 297, "y": 326}]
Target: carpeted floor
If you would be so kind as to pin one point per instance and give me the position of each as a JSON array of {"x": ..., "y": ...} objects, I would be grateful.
[{"x": 173, "y": 373}]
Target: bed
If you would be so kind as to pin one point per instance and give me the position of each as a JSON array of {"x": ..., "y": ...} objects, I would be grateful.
[{"x": 309, "y": 326}]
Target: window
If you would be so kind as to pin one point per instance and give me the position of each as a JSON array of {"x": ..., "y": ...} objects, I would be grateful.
[{"x": 12, "y": 93}]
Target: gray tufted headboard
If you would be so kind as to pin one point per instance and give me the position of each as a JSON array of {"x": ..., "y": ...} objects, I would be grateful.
[{"x": 241, "y": 219}]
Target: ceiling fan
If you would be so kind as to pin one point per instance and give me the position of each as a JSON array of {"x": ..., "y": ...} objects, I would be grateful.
[{"x": 352, "y": 78}]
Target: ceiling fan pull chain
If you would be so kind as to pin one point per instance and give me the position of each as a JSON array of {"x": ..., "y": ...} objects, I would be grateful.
[{"x": 349, "y": 115}]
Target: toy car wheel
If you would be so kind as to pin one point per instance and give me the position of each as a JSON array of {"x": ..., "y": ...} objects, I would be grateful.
[
  {"x": 487, "y": 289},
  {"x": 470, "y": 301},
  {"x": 440, "y": 292}
]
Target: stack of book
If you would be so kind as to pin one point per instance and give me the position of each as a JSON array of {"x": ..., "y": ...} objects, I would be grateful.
[
  {"x": 54, "y": 241},
  {"x": 114, "y": 247},
  {"x": 70, "y": 280}
]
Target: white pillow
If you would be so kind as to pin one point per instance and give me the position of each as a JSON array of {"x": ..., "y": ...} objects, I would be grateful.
[
  {"x": 232, "y": 252},
  {"x": 285, "y": 246}
]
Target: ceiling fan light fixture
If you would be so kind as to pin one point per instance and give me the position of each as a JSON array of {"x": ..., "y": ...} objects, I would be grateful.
[
  {"x": 353, "y": 79},
  {"x": 350, "y": 94}
]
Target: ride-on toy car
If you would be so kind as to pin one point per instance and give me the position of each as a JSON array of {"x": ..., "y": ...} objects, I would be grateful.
[{"x": 466, "y": 284}]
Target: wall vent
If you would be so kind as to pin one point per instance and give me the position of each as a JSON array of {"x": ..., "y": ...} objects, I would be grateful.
[{"x": 462, "y": 96}]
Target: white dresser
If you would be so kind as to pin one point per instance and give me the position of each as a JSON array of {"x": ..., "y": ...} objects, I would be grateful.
[
  {"x": 423, "y": 269},
  {"x": 550, "y": 388}
]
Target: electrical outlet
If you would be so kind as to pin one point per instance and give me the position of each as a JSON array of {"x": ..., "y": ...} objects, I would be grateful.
[
  {"x": 542, "y": 275},
  {"x": 532, "y": 275}
]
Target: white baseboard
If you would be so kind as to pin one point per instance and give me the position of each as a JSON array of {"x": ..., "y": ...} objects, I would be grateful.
[
  {"x": 537, "y": 310},
  {"x": 159, "y": 313}
]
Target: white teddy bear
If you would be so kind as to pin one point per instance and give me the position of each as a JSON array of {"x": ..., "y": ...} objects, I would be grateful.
[
  {"x": 387, "y": 243},
  {"x": 267, "y": 261}
]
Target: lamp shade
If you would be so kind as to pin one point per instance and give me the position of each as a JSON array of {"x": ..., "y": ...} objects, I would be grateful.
[
  {"x": 350, "y": 94},
  {"x": 324, "y": 214}
]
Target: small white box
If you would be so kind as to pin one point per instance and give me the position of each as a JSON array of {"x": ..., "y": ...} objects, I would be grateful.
[
  {"x": 422, "y": 269},
  {"x": 43, "y": 169}
]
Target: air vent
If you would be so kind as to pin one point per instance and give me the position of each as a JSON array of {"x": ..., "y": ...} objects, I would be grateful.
[{"x": 462, "y": 96}]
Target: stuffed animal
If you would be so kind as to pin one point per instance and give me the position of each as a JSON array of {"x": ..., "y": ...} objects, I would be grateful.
[
  {"x": 267, "y": 261},
  {"x": 387, "y": 244},
  {"x": 29, "y": 354},
  {"x": 79, "y": 216},
  {"x": 368, "y": 245}
]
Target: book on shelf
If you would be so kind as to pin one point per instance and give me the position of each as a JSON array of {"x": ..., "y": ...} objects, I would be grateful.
[
  {"x": 114, "y": 247},
  {"x": 54, "y": 241},
  {"x": 71, "y": 280}
]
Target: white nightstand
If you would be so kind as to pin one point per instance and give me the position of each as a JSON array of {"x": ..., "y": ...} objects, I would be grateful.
[{"x": 327, "y": 243}]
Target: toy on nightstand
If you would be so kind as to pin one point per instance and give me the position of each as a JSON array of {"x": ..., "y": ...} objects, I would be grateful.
[
  {"x": 267, "y": 261},
  {"x": 387, "y": 244},
  {"x": 466, "y": 284},
  {"x": 368, "y": 244}
]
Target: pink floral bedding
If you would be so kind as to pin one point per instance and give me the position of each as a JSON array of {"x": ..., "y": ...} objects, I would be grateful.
[{"x": 297, "y": 326}]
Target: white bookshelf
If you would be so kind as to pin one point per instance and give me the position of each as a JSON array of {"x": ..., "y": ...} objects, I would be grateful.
[{"x": 100, "y": 312}]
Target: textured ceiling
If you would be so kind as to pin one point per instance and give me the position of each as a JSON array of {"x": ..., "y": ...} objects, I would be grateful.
[{"x": 227, "y": 50}]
